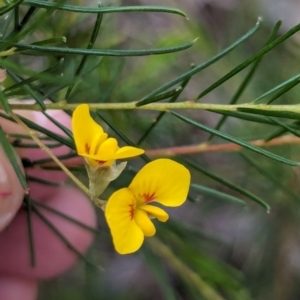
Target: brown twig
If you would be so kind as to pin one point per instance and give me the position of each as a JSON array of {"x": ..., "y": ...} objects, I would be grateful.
[{"x": 205, "y": 147}]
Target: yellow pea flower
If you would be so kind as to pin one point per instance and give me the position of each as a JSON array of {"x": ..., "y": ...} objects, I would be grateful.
[
  {"x": 93, "y": 143},
  {"x": 128, "y": 212},
  {"x": 99, "y": 151}
]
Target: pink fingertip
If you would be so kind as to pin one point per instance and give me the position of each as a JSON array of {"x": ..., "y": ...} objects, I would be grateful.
[
  {"x": 14, "y": 288},
  {"x": 11, "y": 191},
  {"x": 52, "y": 255}
]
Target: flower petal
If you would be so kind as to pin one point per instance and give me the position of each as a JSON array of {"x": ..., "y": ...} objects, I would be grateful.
[
  {"x": 162, "y": 180},
  {"x": 143, "y": 221},
  {"x": 96, "y": 143},
  {"x": 107, "y": 149},
  {"x": 84, "y": 127},
  {"x": 127, "y": 236},
  {"x": 128, "y": 151},
  {"x": 156, "y": 212}
]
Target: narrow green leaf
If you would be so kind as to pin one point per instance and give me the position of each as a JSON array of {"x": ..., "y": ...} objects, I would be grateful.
[
  {"x": 90, "y": 46},
  {"x": 6, "y": 8},
  {"x": 270, "y": 176},
  {"x": 29, "y": 80},
  {"x": 104, "y": 10},
  {"x": 281, "y": 131},
  {"x": 35, "y": 49},
  {"x": 286, "y": 83},
  {"x": 280, "y": 114},
  {"x": 237, "y": 141},
  {"x": 69, "y": 143},
  {"x": 32, "y": 252},
  {"x": 160, "y": 97},
  {"x": 27, "y": 17},
  {"x": 19, "y": 144},
  {"x": 8, "y": 65},
  {"x": 227, "y": 183},
  {"x": 28, "y": 89},
  {"x": 54, "y": 40},
  {"x": 43, "y": 181},
  {"x": 63, "y": 128},
  {"x": 66, "y": 217},
  {"x": 16, "y": 18},
  {"x": 3, "y": 29},
  {"x": 286, "y": 127},
  {"x": 61, "y": 236},
  {"x": 251, "y": 59},
  {"x": 206, "y": 64},
  {"x": 11, "y": 155},
  {"x": 49, "y": 159},
  {"x": 283, "y": 91},
  {"x": 244, "y": 116},
  {"x": 162, "y": 114},
  {"x": 247, "y": 79},
  {"x": 4, "y": 103},
  {"x": 276, "y": 134},
  {"x": 155, "y": 264},
  {"x": 108, "y": 90},
  {"x": 217, "y": 194}
]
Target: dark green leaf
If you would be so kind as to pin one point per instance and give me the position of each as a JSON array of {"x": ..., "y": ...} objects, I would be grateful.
[
  {"x": 161, "y": 114},
  {"x": 4, "y": 103},
  {"x": 54, "y": 40},
  {"x": 6, "y": 8},
  {"x": 280, "y": 114},
  {"x": 247, "y": 79},
  {"x": 104, "y": 10},
  {"x": 34, "y": 49},
  {"x": 217, "y": 194},
  {"x": 90, "y": 46},
  {"x": 160, "y": 97},
  {"x": 237, "y": 141},
  {"x": 286, "y": 83},
  {"x": 41, "y": 129},
  {"x": 227, "y": 183},
  {"x": 251, "y": 59},
  {"x": 28, "y": 89},
  {"x": 206, "y": 64},
  {"x": 11, "y": 155},
  {"x": 28, "y": 203}
]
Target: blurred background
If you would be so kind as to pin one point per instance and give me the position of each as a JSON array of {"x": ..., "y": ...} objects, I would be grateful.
[{"x": 243, "y": 252}]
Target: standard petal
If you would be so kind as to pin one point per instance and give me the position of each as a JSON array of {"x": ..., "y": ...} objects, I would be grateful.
[
  {"x": 156, "y": 212},
  {"x": 144, "y": 222},
  {"x": 127, "y": 236},
  {"x": 162, "y": 180},
  {"x": 84, "y": 127},
  {"x": 128, "y": 151}
]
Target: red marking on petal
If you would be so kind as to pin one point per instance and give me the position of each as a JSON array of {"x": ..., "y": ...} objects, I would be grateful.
[
  {"x": 149, "y": 197},
  {"x": 100, "y": 162},
  {"x": 87, "y": 148},
  {"x": 131, "y": 211}
]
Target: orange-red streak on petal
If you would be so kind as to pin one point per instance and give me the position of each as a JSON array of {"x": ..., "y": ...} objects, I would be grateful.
[
  {"x": 87, "y": 148},
  {"x": 149, "y": 197},
  {"x": 131, "y": 211}
]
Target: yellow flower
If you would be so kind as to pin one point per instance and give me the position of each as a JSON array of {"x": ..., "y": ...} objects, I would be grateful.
[
  {"x": 128, "y": 212},
  {"x": 92, "y": 142}
]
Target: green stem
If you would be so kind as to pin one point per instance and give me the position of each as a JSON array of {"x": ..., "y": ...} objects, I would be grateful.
[
  {"x": 248, "y": 107},
  {"x": 183, "y": 270}
]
